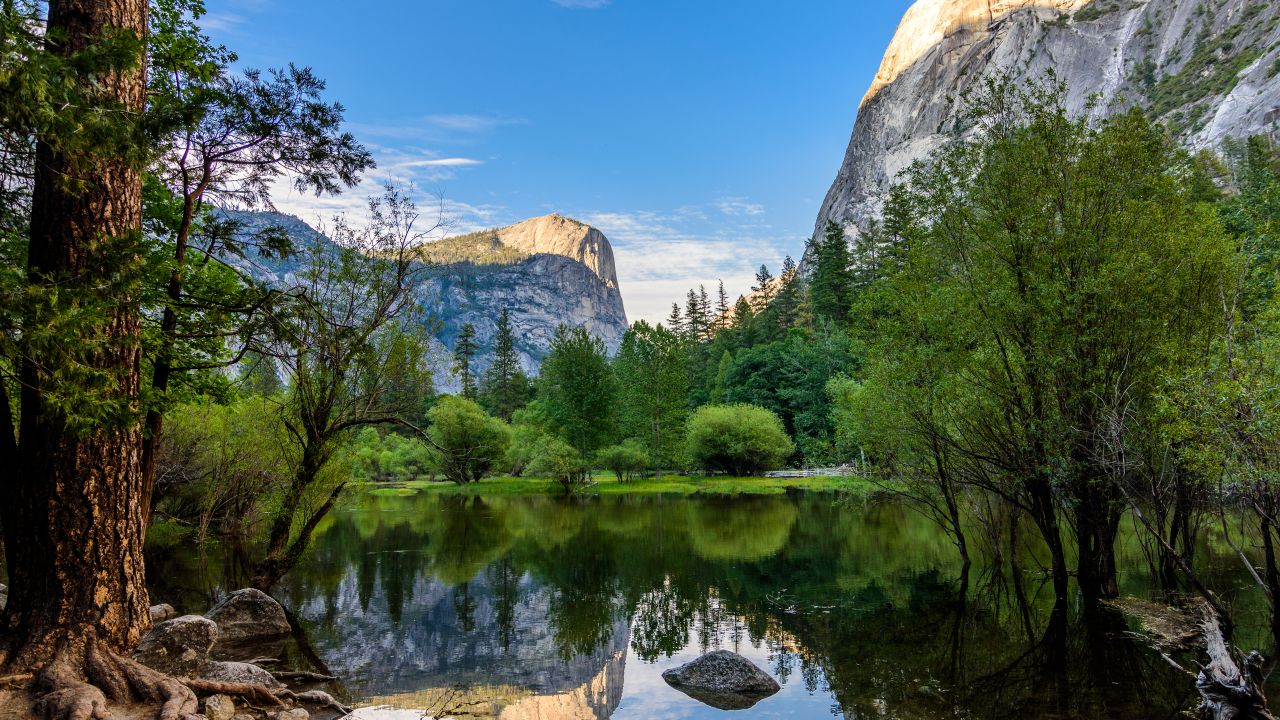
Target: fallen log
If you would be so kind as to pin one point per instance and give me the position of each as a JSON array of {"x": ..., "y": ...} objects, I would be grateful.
[{"x": 1231, "y": 688}]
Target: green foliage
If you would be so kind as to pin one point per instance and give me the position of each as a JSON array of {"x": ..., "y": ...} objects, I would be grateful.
[
  {"x": 377, "y": 455},
  {"x": 222, "y": 466},
  {"x": 577, "y": 390},
  {"x": 624, "y": 460},
  {"x": 831, "y": 281},
  {"x": 737, "y": 439},
  {"x": 560, "y": 461},
  {"x": 468, "y": 441},
  {"x": 464, "y": 352},
  {"x": 652, "y": 381},
  {"x": 525, "y": 439},
  {"x": 478, "y": 248},
  {"x": 789, "y": 378},
  {"x": 504, "y": 388},
  {"x": 1212, "y": 71}
]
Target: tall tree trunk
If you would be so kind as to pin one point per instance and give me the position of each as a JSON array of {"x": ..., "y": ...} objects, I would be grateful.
[
  {"x": 74, "y": 512},
  {"x": 74, "y": 516}
]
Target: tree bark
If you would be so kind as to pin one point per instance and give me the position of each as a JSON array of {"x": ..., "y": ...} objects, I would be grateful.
[{"x": 74, "y": 512}]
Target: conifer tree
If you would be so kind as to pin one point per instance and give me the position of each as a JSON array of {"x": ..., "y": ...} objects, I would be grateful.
[
  {"x": 505, "y": 386},
  {"x": 675, "y": 323},
  {"x": 763, "y": 289},
  {"x": 463, "y": 353},
  {"x": 722, "y": 308},
  {"x": 831, "y": 284},
  {"x": 693, "y": 324}
]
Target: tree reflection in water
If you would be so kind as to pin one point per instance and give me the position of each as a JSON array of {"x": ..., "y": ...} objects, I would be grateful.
[{"x": 539, "y": 603}]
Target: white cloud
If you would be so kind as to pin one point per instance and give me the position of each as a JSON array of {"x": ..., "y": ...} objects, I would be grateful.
[
  {"x": 739, "y": 206},
  {"x": 443, "y": 162},
  {"x": 582, "y": 4}
]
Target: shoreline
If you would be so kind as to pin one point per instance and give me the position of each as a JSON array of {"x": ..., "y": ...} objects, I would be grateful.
[{"x": 607, "y": 484}]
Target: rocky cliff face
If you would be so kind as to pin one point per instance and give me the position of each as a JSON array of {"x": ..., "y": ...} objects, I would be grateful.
[
  {"x": 545, "y": 271},
  {"x": 1210, "y": 69}
]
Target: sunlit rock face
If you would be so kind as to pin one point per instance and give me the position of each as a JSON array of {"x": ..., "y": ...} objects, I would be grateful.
[
  {"x": 1206, "y": 67},
  {"x": 545, "y": 271}
]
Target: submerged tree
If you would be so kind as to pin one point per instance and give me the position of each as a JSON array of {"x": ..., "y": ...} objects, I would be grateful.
[{"x": 1053, "y": 270}]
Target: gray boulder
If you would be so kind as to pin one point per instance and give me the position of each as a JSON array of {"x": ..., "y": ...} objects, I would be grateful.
[
  {"x": 723, "y": 680},
  {"x": 238, "y": 672},
  {"x": 248, "y": 615},
  {"x": 162, "y": 612},
  {"x": 219, "y": 707},
  {"x": 178, "y": 646}
]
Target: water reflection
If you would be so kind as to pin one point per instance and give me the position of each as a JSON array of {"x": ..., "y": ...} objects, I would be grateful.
[{"x": 562, "y": 609}]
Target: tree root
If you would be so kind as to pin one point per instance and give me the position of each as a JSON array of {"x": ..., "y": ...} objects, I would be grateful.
[
  {"x": 77, "y": 683},
  {"x": 259, "y": 695}
]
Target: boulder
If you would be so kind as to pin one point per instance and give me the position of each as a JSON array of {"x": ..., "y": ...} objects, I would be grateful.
[
  {"x": 178, "y": 646},
  {"x": 723, "y": 680},
  {"x": 238, "y": 672},
  {"x": 294, "y": 714},
  {"x": 162, "y": 612},
  {"x": 219, "y": 707},
  {"x": 248, "y": 615}
]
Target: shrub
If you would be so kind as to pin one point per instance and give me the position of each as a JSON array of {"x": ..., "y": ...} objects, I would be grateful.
[
  {"x": 557, "y": 459},
  {"x": 525, "y": 440},
  {"x": 738, "y": 439},
  {"x": 624, "y": 460},
  {"x": 468, "y": 441}
]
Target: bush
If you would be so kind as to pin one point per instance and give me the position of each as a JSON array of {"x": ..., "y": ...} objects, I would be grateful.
[
  {"x": 525, "y": 440},
  {"x": 377, "y": 455},
  {"x": 468, "y": 441},
  {"x": 738, "y": 439},
  {"x": 624, "y": 460},
  {"x": 557, "y": 459}
]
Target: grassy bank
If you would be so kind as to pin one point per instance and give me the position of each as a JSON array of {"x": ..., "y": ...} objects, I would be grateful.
[{"x": 607, "y": 484}]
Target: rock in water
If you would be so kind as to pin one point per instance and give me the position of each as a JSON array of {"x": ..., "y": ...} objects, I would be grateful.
[
  {"x": 248, "y": 615},
  {"x": 723, "y": 680},
  {"x": 178, "y": 646}
]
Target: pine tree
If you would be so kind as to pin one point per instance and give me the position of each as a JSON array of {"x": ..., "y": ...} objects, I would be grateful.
[
  {"x": 704, "y": 304},
  {"x": 463, "y": 353},
  {"x": 675, "y": 323},
  {"x": 786, "y": 305},
  {"x": 719, "y": 393},
  {"x": 763, "y": 289},
  {"x": 722, "y": 308},
  {"x": 693, "y": 325},
  {"x": 505, "y": 386},
  {"x": 831, "y": 284}
]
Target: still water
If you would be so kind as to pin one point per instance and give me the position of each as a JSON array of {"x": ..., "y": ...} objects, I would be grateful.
[{"x": 540, "y": 608}]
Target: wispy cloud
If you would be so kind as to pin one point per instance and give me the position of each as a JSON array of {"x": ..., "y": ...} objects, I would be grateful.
[
  {"x": 738, "y": 206},
  {"x": 443, "y": 162},
  {"x": 582, "y": 4}
]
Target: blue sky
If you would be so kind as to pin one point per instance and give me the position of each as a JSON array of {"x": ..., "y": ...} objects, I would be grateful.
[{"x": 699, "y": 135}]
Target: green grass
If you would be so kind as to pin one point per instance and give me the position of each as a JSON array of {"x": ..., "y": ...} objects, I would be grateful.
[{"x": 607, "y": 484}]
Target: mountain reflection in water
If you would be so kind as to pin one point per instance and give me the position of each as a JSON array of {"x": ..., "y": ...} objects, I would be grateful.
[{"x": 530, "y": 608}]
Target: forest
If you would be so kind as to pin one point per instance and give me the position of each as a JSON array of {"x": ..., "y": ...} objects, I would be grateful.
[{"x": 1061, "y": 326}]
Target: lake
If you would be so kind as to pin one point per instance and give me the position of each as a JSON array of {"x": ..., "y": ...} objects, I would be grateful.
[{"x": 558, "y": 609}]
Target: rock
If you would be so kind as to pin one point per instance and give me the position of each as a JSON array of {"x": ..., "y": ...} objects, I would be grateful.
[
  {"x": 162, "y": 612},
  {"x": 294, "y": 714},
  {"x": 219, "y": 707},
  {"x": 238, "y": 672},
  {"x": 545, "y": 271},
  {"x": 244, "y": 717},
  {"x": 248, "y": 615},
  {"x": 723, "y": 680},
  {"x": 1112, "y": 50},
  {"x": 178, "y": 646}
]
